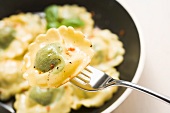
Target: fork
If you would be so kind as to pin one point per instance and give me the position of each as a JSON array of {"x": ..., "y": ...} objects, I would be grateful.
[{"x": 92, "y": 79}]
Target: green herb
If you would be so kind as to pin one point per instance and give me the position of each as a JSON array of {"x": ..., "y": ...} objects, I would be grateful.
[
  {"x": 53, "y": 25},
  {"x": 51, "y": 15},
  {"x": 74, "y": 22},
  {"x": 54, "y": 21}
]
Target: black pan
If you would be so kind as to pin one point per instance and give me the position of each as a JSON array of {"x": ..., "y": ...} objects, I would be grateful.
[{"x": 107, "y": 14}]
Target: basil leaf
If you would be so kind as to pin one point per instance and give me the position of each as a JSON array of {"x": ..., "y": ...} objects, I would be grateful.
[
  {"x": 51, "y": 15},
  {"x": 53, "y": 21},
  {"x": 74, "y": 22},
  {"x": 53, "y": 24}
]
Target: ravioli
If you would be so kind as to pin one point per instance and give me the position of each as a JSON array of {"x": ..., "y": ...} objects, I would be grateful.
[
  {"x": 61, "y": 101},
  {"x": 11, "y": 82},
  {"x": 108, "y": 48},
  {"x": 56, "y": 57},
  {"x": 25, "y": 27}
]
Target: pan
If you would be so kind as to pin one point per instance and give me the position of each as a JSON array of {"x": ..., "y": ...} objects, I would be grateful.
[{"x": 108, "y": 14}]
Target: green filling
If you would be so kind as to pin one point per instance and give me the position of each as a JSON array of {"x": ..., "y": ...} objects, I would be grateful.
[
  {"x": 54, "y": 21},
  {"x": 6, "y": 36},
  {"x": 49, "y": 58},
  {"x": 45, "y": 96},
  {"x": 99, "y": 55}
]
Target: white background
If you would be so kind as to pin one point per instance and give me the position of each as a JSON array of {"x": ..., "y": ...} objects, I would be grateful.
[{"x": 153, "y": 17}]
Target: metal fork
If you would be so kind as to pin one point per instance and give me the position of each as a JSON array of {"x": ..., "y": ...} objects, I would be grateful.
[{"x": 92, "y": 79}]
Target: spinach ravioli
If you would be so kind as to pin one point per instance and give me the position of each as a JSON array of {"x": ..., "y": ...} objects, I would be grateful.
[
  {"x": 56, "y": 57},
  {"x": 37, "y": 100},
  {"x": 17, "y": 32}
]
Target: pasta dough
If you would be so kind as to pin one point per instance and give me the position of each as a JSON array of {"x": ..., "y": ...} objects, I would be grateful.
[
  {"x": 65, "y": 52},
  {"x": 11, "y": 82}
]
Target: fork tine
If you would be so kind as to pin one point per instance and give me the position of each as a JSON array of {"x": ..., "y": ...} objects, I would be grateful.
[
  {"x": 78, "y": 80},
  {"x": 88, "y": 68},
  {"x": 86, "y": 73},
  {"x": 83, "y": 77},
  {"x": 91, "y": 79},
  {"x": 81, "y": 84}
]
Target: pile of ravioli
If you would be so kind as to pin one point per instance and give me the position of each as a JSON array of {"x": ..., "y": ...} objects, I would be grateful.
[{"x": 75, "y": 43}]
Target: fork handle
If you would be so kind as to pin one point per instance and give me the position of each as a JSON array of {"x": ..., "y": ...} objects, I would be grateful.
[{"x": 140, "y": 88}]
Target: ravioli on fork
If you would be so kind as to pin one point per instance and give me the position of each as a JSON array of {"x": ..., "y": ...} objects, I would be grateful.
[{"x": 56, "y": 57}]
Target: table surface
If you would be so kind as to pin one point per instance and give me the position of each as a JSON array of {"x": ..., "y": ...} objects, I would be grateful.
[{"x": 153, "y": 16}]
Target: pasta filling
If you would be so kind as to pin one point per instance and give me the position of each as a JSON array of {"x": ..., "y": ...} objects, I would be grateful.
[
  {"x": 45, "y": 96},
  {"x": 6, "y": 36},
  {"x": 50, "y": 58}
]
